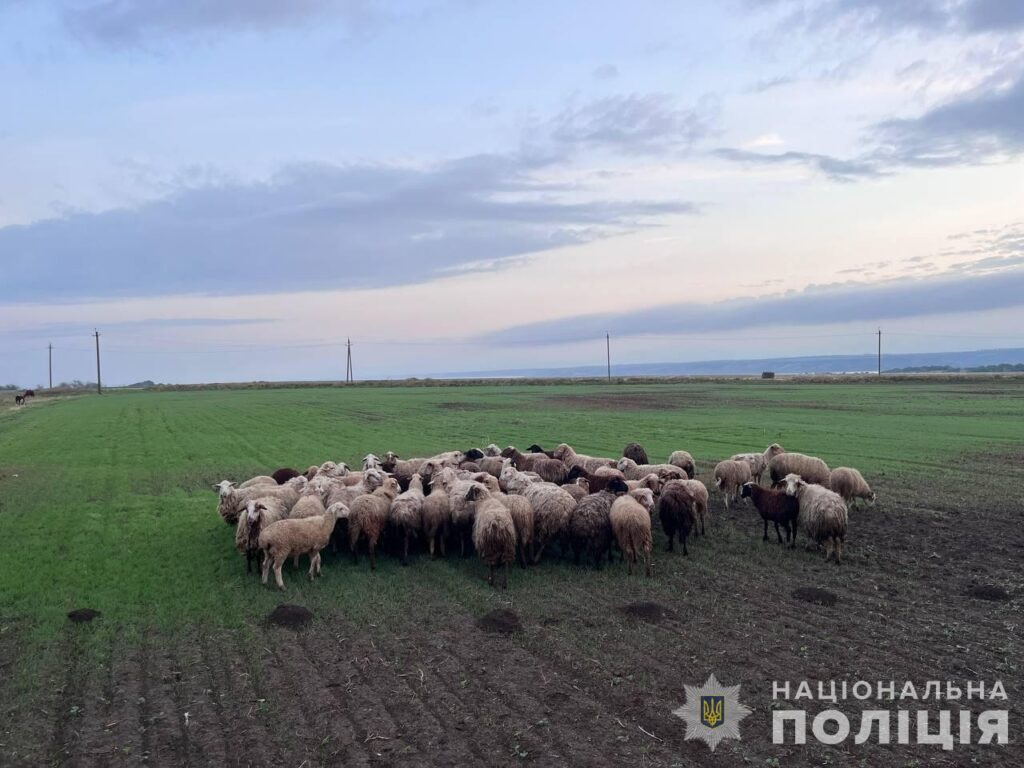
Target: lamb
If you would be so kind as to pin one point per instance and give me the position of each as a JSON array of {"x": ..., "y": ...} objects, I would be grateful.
[
  {"x": 293, "y": 538},
  {"x": 523, "y": 519},
  {"x": 407, "y": 514},
  {"x": 566, "y": 454},
  {"x": 677, "y": 514},
  {"x": 775, "y": 507},
  {"x": 233, "y": 500},
  {"x": 634, "y": 471},
  {"x": 810, "y": 468},
  {"x": 259, "y": 513},
  {"x": 284, "y": 474},
  {"x": 759, "y": 461},
  {"x": 636, "y": 452},
  {"x": 631, "y": 527},
  {"x": 494, "y": 533},
  {"x": 823, "y": 514},
  {"x": 590, "y": 530},
  {"x": 729, "y": 476},
  {"x": 552, "y": 508},
  {"x": 368, "y": 517},
  {"x": 684, "y": 461},
  {"x": 850, "y": 484}
]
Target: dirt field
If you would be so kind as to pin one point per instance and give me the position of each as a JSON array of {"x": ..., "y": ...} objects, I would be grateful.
[{"x": 570, "y": 666}]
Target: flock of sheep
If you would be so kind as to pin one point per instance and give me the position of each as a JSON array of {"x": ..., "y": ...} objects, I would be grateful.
[{"x": 508, "y": 504}]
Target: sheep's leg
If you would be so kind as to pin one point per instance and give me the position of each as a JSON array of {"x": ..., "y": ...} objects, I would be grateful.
[
  {"x": 684, "y": 536},
  {"x": 462, "y": 542},
  {"x": 444, "y": 535},
  {"x": 430, "y": 544},
  {"x": 265, "y": 570},
  {"x": 538, "y": 550},
  {"x": 504, "y": 578},
  {"x": 778, "y": 532},
  {"x": 702, "y": 531},
  {"x": 522, "y": 556},
  {"x": 312, "y": 566},
  {"x": 353, "y": 543},
  {"x": 647, "y": 562},
  {"x": 671, "y": 536},
  {"x": 490, "y": 575},
  {"x": 839, "y": 550},
  {"x": 373, "y": 553},
  {"x": 405, "y": 549},
  {"x": 765, "y": 537},
  {"x": 277, "y": 573}
]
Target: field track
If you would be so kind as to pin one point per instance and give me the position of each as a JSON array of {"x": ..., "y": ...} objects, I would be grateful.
[{"x": 106, "y": 504}]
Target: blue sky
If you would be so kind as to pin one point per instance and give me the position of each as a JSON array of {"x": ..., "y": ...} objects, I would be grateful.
[{"x": 229, "y": 190}]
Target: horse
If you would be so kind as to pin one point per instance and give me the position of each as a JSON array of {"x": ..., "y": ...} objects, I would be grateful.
[{"x": 28, "y": 393}]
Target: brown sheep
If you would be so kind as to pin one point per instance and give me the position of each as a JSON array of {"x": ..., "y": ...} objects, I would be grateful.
[
  {"x": 850, "y": 484},
  {"x": 636, "y": 452},
  {"x": 407, "y": 514},
  {"x": 590, "y": 530},
  {"x": 368, "y": 518},
  {"x": 729, "y": 478},
  {"x": 810, "y": 468},
  {"x": 523, "y": 519},
  {"x": 552, "y": 508},
  {"x": 631, "y": 526},
  {"x": 494, "y": 533},
  {"x": 676, "y": 511},
  {"x": 437, "y": 515}
]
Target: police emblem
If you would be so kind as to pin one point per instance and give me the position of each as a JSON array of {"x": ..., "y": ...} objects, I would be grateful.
[{"x": 712, "y": 712}]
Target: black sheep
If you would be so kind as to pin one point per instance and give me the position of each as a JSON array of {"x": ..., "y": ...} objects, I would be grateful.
[
  {"x": 774, "y": 506},
  {"x": 675, "y": 509},
  {"x": 636, "y": 452}
]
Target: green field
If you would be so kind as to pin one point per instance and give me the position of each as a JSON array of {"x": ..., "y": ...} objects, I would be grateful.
[{"x": 106, "y": 502}]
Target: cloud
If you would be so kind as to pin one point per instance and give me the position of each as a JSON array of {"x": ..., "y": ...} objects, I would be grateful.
[
  {"x": 831, "y": 167},
  {"x": 606, "y": 72},
  {"x": 975, "y": 127},
  {"x": 631, "y": 124},
  {"x": 131, "y": 22},
  {"x": 928, "y": 16},
  {"x": 816, "y": 305},
  {"x": 312, "y": 227}
]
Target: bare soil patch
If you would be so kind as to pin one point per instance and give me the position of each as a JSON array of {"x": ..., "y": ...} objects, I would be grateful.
[
  {"x": 502, "y": 621},
  {"x": 83, "y": 615},
  {"x": 991, "y": 592},
  {"x": 652, "y": 613},
  {"x": 290, "y": 616},
  {"x": 815, "y": 595}
]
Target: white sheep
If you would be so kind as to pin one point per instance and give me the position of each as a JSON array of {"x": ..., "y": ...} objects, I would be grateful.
[
  {"x": 730, "y": 476},
  {"x": 296, "y": 537},
  {"x": 633, "y": 471},
  {"x": 407, "y": 514},
  {"x": 494, "y": 532},
  {"x": 823, "y": 514}
]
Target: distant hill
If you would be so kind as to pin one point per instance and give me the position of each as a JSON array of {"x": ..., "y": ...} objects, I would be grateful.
[
  {"x": 982, "y": 360},
  {"x": 141, "y": 385},
  {"x": 1001, "y": 368}
]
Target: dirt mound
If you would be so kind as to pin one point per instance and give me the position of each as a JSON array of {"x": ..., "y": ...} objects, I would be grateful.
[
  {"x": 83, "y": 615},
  {"x": 653, "y": 613},
  {"x": 988, "y": 592},
  {"x": 290, "y": 616},
  {"x": 502, "y": 621},
  {"x": 815, "y": 595}
]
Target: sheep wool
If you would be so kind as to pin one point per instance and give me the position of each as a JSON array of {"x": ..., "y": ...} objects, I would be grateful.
[
  {"x": 729, "y": 478},
  {"x": 823, "y": 514},
  {"x": 850, "y": 484},
  {"x": 590, "y": 530},
  {"x": 368, "y": 516},
  {"x": 552, "y": 508},
  {"x": 631, "y": 526},
  {"x": 494, "y": 533},
  {"x": 407, "y": 514},
  {"x": 436, "y": 518},
  {"x": 684, "y": 461},
  {"x": 292, "y": 538},
  {"x": 810, "y": 468}
]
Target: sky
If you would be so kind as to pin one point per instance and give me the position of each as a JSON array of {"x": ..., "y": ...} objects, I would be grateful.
[{"x": 229, "y": 191}]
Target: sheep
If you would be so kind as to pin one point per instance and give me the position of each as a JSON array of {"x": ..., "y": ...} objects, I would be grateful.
[
  {"x": 590, "y": 530},
  {"x": 512, "y": 480},
  {"x": 473, "y": 454},
  {"x": 598, "y": 480},
  {"x": 759, "y": 461},
  {"x": 259, "y": 513},
  {"x": 537, "y": 449},
  {"x": 233, "y": 500},
  {"x": 566, "y": 454},
  {"x": 631, "y": 526},
  {"x": 293, "y": 538},
  {"x": 775, "y": 507},
  {"x": 578, "y": 488},
  {"x": 371, "y": 480},
  {"x": 645, "y": 497},
  {"x": 462, "y": 510},
  {"x": 636, "y": 452},
  {"x": 407, "y": 514},
  {"x": 684, "y": 461},
  {"x": 552, "y": 508},
  {"x": 676, "y": 511},
  {"x": 823, "y": 514},
  {"x": 368, "y": 517},
  {"x": 259, "y": 480},
  {"x": 494, "y": 533},
  {"x": 284, "y": 474},
  {"x": 403, "y": 470},
  {"x": 729, "y": 476},
  {"x": 310, "y": 504},
  {"x": 850, "y": 484},
  {"x": 469, "y": 466},
  {"x": 550, "y": 470},
  {"x": 651, "y": 482},
  {"x": 634, "y": 471},
  {"x": 523, "y": 519},
  {"x": 437, "y": 516},
  {"x": 810, "y": 468},
  {"x": 698, "y": 493},
  {"x": 492, "y": 465},
  {"x": 371, "y": 461},
  {"x": 492, "y": 451},
  {"x": 312, "y": 472}
]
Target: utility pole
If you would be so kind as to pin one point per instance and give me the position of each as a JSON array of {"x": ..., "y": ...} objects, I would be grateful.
[
  {"x": 879, "y": 351},
  {"x": 99, "y": 381},
  {"x": 608, "y": 349},
  {"x": 349, "y": 375},
  {"x": 50, "y": 347}
]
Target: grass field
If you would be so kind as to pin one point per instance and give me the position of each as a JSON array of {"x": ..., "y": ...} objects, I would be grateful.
[{"x": 105, "y": 503}]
